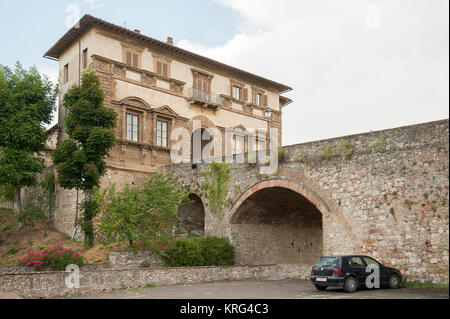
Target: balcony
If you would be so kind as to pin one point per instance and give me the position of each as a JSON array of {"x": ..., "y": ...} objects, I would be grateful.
[{"x": 207, "y": 99}]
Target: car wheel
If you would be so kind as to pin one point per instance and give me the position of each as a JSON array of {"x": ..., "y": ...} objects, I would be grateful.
[
  {"x": 350, "y": 284},
  {"x": 394, "y": 282},
  {"x": 321, "y": 288}
]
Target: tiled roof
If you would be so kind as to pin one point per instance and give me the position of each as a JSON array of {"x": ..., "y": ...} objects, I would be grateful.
[{"x": 87, "y": 21}]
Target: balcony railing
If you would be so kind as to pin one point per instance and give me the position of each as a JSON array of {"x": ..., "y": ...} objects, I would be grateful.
[{"x": 205, "y": 97}]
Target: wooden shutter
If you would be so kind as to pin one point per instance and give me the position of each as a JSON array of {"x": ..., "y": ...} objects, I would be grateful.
[
  {"x": 135, "y": 60},
  {"x": 165, "y": 70},
  {"x": 128, "y": 58},
  {"x": 245, "y": 94},
  {"x": 195, "y": 82},
  {"x": 265, "y": 102},
  {"x": 159, "y": 68}
]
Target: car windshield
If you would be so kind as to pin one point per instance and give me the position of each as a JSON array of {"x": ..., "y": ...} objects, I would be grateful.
[{"x": 327, "y": 262}]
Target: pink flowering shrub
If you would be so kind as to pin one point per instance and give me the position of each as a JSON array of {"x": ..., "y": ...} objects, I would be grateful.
[{"x": 56, "y": 257}]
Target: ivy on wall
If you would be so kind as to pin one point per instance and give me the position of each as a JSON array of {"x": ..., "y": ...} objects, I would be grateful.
[{"x": 217, "y": 182}]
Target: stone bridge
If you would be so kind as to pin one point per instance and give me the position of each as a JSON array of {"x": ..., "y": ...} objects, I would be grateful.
[{"x": 383, "y": 194}]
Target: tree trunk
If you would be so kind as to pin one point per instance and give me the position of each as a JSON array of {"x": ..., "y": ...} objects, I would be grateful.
[
  {"x": 88, "y": 237},
  {"x": 87, "y": 195},
  {"x": 19, "y": 209}
]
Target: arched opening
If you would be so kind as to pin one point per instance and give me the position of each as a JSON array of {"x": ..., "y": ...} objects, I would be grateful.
[
  {"x": 277, "y": 225},
  {"x": 201, "y": 136},
  {"x": 192, "y": 217}
]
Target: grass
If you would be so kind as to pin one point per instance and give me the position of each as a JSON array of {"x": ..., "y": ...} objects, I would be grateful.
[{"x": 416, "y": 284}]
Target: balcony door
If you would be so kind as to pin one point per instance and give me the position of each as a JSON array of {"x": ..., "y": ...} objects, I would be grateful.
[{"x": 202, "y": 87}]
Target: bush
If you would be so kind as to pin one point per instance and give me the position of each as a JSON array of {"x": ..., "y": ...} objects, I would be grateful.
[
  {"x": 207, "y": 251},
  {"x": 57, "y": 257},
  {"x": 216, "y": 251},
  {"x": 185, "y": 253}
]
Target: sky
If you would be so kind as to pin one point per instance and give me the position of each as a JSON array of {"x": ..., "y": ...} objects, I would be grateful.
[{"x": 354, "y": 65}]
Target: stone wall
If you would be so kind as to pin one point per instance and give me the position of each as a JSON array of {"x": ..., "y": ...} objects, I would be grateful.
[
  {"x": 131, "y": 259},
  {"x": 388, "y": 198},
  {"x": 52, "y": 284}
]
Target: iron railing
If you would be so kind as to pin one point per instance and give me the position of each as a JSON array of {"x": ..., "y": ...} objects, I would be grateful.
[{"x": 204, "y": 96}]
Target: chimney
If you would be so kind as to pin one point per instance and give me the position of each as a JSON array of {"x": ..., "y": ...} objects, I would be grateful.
[
  {"x": 170, "y": 40},
  {"x": 137, "y": 31}
]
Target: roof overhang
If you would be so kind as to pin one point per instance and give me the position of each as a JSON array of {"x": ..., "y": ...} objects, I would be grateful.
[
  {"x": 88, "y": 21},
  {"x": 284, "y": 101}
]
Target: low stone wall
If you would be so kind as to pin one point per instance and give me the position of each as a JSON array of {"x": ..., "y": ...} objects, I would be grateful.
[
  {"x": 131, "y": 259},
  {"x": 51, "y": 284}
]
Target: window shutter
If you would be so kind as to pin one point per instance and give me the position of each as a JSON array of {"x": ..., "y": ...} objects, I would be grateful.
[
  {"x": 265, "y": 100},
  {"x": 165, "y": 70},
  {"x": 195, "y": 82},
  {"x": 159, "y": 68},
  {"x": 128, "y": 58},
  {"x": 135, "y": 60},
  {"x": 245, "y": 93}
]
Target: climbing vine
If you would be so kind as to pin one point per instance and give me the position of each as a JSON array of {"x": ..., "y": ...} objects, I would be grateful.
[{"x": 217, "y": 182}]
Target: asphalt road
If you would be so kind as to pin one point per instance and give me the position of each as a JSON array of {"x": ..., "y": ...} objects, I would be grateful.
[{"x": 273, "y": 289}]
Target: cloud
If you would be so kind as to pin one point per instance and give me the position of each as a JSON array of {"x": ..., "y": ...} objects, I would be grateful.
[
  {"x": 354, "y": 65},
  {"x": 52, "y": 73}
]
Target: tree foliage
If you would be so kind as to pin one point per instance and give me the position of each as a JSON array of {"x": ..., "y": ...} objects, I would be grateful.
[
  {"x": 27, "y": 101},
  {"x": 79, "y": 160},
  {"x": 144, "y": 215}
]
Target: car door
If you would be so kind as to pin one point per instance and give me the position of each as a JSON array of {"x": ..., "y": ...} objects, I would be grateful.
[
  {"x": 358, "y": 267},
  {"x": 383, "y": 271}
]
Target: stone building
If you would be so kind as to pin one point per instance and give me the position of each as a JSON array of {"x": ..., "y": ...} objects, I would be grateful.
[{"x": 156, "y": 87}]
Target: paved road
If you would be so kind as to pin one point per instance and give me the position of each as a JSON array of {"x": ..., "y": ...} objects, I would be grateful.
[{"x": 276, "y": 289}]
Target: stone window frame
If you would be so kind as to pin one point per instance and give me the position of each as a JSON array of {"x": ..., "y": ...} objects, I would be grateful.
[
  {"x": 133, "y": 50},
  {"x": 202, "y": 75},
  {"x": 164, "y": 60}
]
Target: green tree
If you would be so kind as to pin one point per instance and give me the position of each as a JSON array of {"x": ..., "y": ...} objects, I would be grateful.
[
  {"x": 27, "y": 101},
  {"x": 144, "y": 215},
  {"x": 79, "y": 159}
]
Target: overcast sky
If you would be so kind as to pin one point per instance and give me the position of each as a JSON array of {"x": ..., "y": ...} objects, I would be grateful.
[{"x": 354, "y": 65}]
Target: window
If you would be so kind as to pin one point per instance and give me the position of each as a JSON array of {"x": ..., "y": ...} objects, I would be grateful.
[
  {"x": 161, "y": 133},
  {"x": 371, "y": 261},
  {"x": 258, "y": 99},
  {"x": 66, "y": 73},
  {"x": 132, "y": 59},
  {"x": 162, "y": 69},
  {"x": 237, "y": 144},
  {"x": 355, "y": 262},
  {"x": 132, "y": 127},
  {"x": 236, "y": 92},
  {"x": 85, "y": 59},
  {"x": 327, "y": 262}
]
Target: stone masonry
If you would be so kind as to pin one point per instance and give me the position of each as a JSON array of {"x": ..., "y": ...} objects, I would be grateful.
[{"x": 389, "y": 199}]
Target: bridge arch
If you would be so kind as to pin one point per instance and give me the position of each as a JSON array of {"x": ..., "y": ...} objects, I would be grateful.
[
  {"x": 192, "y": 216},
  {"x": 278, "y": 221}
]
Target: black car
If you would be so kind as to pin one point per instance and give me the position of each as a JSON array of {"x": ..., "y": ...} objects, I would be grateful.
[{"x": 350, "y": 272}]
